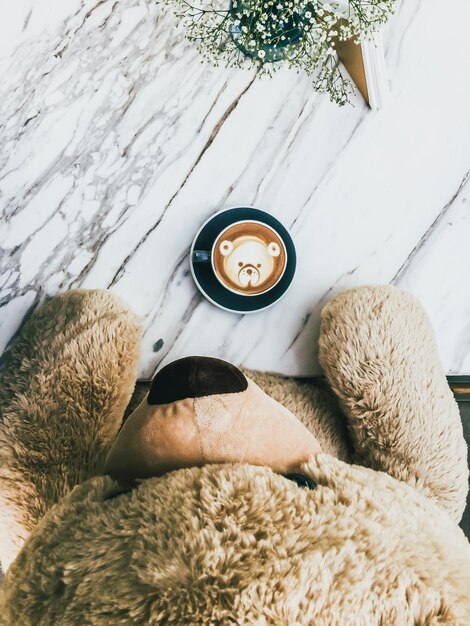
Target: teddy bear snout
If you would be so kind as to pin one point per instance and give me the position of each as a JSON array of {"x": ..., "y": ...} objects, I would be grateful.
[{"x": 248, "y": 275}]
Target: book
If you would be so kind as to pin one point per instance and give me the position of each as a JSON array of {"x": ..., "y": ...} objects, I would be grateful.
[{"x": 365, "y": 63}]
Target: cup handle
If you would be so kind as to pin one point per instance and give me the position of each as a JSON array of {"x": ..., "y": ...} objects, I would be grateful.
[{"x": 201, "y": 256}]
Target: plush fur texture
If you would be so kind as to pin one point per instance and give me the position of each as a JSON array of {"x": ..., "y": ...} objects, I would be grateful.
[
  {"x": 380, "y": 356},
  {"x": 66, "y": 383},
  {"x": 236, "y": 544}
]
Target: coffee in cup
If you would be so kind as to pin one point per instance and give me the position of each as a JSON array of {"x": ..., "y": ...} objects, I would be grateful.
[{"x": 248, "y": 258}]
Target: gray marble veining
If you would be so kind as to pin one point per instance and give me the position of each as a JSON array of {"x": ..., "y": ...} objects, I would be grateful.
[{"x": 116, "y": 143}]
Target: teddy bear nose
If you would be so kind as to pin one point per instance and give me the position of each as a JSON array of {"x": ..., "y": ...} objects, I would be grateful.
[{"x": 195, "y": 377}]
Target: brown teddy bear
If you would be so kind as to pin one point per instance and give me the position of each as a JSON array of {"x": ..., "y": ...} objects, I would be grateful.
[{"x": 214, "y": 505}]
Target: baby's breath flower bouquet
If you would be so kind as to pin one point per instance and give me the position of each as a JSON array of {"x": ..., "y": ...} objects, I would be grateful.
[{"x": 270, "y": 33}]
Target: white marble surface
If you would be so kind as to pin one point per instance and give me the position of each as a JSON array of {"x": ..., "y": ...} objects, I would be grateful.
[{"x": 116, "y": 143}]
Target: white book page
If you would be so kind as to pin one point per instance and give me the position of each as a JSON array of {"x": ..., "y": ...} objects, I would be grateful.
[{"x": 375, "y": 70}]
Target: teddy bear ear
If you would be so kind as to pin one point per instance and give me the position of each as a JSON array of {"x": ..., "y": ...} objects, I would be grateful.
[
  {"x": 226, "y": 247},
  {"x": 274, "y": 249}
]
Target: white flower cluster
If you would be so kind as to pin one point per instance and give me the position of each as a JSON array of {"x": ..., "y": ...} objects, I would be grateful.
[{"x": 269, "y": 33}]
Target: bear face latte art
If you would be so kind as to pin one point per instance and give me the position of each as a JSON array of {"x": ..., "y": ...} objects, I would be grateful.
[{"x": 249, "y": 258}]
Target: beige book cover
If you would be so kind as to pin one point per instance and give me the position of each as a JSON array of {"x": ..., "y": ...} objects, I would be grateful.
[
  {"x": 350, "y": 55},
  {"x": 365, "y": 63}
]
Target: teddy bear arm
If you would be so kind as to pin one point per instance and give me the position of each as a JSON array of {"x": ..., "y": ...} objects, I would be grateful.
[
  {"x": 63, "y": 391},
  {"x": 380, "y": 356}
]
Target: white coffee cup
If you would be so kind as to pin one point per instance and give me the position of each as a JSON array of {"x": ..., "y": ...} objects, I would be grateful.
[{"x": 248, "y": 257}]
